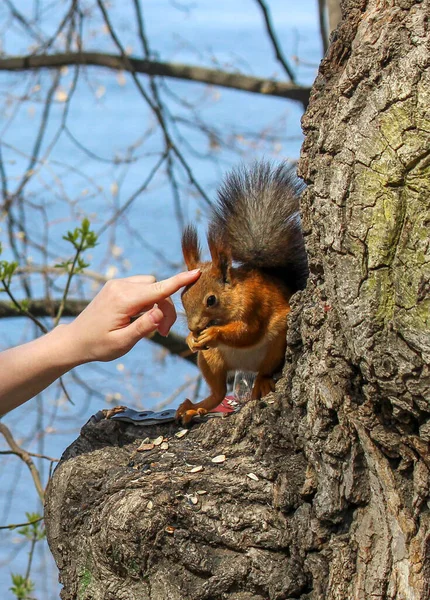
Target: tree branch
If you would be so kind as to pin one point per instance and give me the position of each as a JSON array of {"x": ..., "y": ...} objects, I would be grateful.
[
  {"x": 272, "y": 36},
  {"x": 236, "y": 81},
  {"x": 174, "y": 343},
  {"x": 322, "y": 16},
  {"x": 25, "y": 456},
  {"x": 15, "y": 525}
]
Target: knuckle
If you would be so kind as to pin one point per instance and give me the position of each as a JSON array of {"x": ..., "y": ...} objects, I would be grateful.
[
  {"x": 159, "y": 288},
  {"x": 117, "y": 291},
  {"x": 113, "y": 284},
  {"x": 109, "y": 284},
  {"x": 144, "y": 326}
]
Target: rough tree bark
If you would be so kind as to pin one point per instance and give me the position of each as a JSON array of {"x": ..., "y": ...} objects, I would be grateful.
[{"x": 340, "y": 509}]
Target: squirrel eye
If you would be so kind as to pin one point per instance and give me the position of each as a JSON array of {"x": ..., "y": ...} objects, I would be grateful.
[{"x": 211, "y": 301}]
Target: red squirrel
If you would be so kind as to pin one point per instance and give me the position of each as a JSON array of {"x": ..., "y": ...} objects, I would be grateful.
[{"x": 237, "y": 310}]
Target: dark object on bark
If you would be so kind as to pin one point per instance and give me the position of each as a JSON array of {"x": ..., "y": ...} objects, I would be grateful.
[{"x": 340, "y": 508}]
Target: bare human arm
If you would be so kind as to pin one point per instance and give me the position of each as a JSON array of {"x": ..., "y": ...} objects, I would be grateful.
[{"x": 102, "y": 332}]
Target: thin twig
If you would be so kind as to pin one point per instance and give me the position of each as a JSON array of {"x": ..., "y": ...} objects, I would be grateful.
[
  {"x": 161, "y": 405},
  {"x": 25, "y": 456},
  {"x": 22, "y": 310},
  {"x": 65, "y": 392},
  {"x": 30, "y": 556},
  {"x": 68, "y": 282},
  {"x": 133, "y": 197},
  {"x": 59, "y": 271},
  {"x": 163, "y": 115},
  {"x": 21, "y": 19},
  {"x": 155, "y": 108},
  {"x": 39, "y": 138},
  {"x": 33, "y": 454},
  {"x": 15, "y": 525},
  {"x": 271, "y": 32},
  {"x": 322, "y": 17}
]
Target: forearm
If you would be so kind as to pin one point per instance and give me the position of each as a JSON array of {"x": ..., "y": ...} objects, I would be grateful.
[
  {"x": 105, "y": 330},
  {"x": 28, "y": 369}
]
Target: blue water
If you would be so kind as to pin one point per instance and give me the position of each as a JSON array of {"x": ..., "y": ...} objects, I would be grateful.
[{"x": 107, "y": 116}]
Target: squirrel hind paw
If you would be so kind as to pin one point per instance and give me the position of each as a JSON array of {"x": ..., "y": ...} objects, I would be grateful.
[{"x": 262, "y": 387}]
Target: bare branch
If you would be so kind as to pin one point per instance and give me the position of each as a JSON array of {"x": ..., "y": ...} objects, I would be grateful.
[
  {"x": 133, "y": 197},
  {"x": 15, "y": 525},
  {"x": 271, "y": 32},
  {"x": 20, "y": 310},
  {"x": 156, "y": 108},
  {"x": 322, "y": 15},
  {"x": 236, "y": 81},
  {"x": 162, "y": 110},
  {"x": 34, "y": 455},
  {"x": 23, "y": 21},
  {"x": 24, "y": 455},
  {"x": 59, "y": 271}
]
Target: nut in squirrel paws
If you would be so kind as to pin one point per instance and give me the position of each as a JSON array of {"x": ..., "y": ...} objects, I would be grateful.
[
  {"x": 205, "y": 340},
  {"x": 263, "y": 385},
  {"x": 187, "y": 410}
]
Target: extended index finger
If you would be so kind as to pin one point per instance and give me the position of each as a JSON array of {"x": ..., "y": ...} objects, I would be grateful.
[{"x": 166, "y": 287}]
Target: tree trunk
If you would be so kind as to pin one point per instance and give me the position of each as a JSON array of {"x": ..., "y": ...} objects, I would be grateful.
[{"x": 340, "y": 506}]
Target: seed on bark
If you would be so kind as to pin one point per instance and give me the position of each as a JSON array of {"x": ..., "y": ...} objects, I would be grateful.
[
  {"x": 196, "y": 469},
  {"x": 219, "y": 459},
  {"x": 181, "y": 433},
  {"x": 144, "y": 447}
]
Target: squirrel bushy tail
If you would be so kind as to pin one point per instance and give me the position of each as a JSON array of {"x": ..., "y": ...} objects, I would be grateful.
[{"x": 257, "y": 218}]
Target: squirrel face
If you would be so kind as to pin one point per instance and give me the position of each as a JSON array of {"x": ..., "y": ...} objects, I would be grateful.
[{"x": 209, "y": 299}]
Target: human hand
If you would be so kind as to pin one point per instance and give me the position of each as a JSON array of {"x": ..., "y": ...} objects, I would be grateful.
[{"x": 104, "y": 330}]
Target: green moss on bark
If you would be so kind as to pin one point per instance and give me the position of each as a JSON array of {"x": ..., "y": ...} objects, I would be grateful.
[{"x": 396, "y": 188}]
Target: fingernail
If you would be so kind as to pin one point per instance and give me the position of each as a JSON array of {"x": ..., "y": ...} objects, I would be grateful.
[
  {"x": 155, "y": 314},
  {"x": 194, "y": 271},
  {"x": 163, "y": 331}
]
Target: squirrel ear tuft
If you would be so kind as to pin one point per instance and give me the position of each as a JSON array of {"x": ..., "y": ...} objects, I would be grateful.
[
  {"x": 221, "y": 258},
  {"x": 190, "y": 247}
]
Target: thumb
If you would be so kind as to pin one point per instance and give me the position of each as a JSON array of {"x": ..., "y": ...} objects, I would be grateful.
[{"x": 145, "y": 324}]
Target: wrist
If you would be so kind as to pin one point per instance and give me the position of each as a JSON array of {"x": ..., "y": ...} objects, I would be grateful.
[{"x": 65, "y": 347}]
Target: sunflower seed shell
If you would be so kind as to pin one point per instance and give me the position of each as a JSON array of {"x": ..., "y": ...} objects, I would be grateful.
[{"x": 219, "y": 459}]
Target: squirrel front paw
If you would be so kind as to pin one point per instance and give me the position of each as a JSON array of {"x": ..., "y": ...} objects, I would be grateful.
[
  {"x": 187, "y": 410},
  {"x": 205, "y": 340},
  {"x": 194, "y": 344},
  {"x": 191, "y": 343}
]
